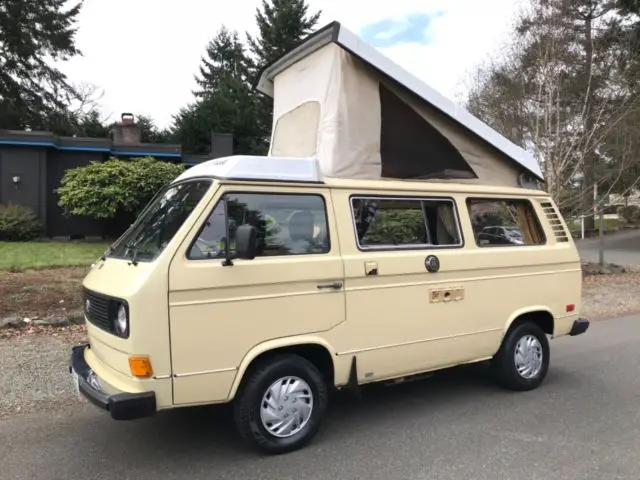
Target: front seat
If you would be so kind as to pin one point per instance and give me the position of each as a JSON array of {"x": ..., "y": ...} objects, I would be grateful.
[{"x": 301, "y": 225}]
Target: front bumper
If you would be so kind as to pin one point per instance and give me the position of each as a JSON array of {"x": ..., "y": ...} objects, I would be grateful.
[
  {"x": 122, "y": 406},
  {"x": 580, "y": 326}
]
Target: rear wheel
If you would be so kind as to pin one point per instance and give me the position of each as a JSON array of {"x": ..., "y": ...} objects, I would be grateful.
[
  {"x": 523, "y": 359},
  {"x": 282, "y": 404}
]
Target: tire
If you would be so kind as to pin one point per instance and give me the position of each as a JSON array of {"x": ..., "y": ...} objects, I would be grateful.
[
  {"x": 505, "y": 365},
  {"x": 248, "y": 406}
]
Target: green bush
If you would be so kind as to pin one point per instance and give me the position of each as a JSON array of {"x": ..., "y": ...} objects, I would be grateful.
[
  {"x": 105, "y": 189},
  {"x": 18, "y": 224},
  {"x": 630, "y": 214}
]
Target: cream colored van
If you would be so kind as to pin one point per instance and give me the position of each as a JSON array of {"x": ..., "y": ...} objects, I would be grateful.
[{"x": 256, "y": 281}]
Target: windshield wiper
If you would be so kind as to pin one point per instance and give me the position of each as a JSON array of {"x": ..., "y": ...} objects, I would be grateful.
[
  {"x": 108, "y": 252},
  {"x": 134, "y": 253}
]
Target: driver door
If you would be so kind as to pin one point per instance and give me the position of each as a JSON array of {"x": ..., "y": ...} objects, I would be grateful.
[{"x": 219, "y": 313}]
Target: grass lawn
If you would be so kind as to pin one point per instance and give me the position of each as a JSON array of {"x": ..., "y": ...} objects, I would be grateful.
[
  {"x": 38, "y": 255},
  {"x": 609, "y": 224}
]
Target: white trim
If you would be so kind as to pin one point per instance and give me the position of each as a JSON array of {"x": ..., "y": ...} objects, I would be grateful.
[{"x": 349, "y": 41}]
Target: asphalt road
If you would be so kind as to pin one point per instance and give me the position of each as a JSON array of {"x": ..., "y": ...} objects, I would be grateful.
[
  {"x": 620, "y": 248},
  {"x": 583, "y": 423}
]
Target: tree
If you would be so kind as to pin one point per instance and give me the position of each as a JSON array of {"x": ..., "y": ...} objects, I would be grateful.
[
  {"x": 33, "y": 93},
  {"x": 563, "y": 91},
  {"x": 225, "y": 102},
  {"x": 104, "y": 190},
  {"x": 225, "y": 59},
  {"x": 282, "y": 25},
  {"x": 150, "y": 133}
]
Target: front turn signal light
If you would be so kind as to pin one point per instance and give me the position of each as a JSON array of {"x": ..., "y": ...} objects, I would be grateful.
[{"x": 140, "y": 366}]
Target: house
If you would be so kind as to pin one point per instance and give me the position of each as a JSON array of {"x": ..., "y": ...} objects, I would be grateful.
[{"x": 32, "y": 165}]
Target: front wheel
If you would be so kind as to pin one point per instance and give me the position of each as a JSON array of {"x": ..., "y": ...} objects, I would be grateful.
[
  {"x": 523, "y": 359},
  {"x": 282, "y": 404}
]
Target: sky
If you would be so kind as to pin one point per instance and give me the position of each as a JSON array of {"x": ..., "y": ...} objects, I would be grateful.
[{"x": 143, "y": 54}]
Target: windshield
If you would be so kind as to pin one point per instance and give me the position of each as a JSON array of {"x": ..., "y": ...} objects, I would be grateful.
[{"x": 159, "y": 222}]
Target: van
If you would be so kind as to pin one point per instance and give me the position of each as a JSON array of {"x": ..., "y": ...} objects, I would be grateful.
[{"x": 258, "y": 282}]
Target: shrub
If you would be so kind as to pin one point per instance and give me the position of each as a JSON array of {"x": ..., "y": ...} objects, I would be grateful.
[
  {"x": 18, "y": 224},
  {"x": 105, "y": 189},
  {"x": 630, "y": 214}
]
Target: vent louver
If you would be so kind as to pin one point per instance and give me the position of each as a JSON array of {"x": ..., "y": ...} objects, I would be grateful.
[{"x": 555, "y": 221}]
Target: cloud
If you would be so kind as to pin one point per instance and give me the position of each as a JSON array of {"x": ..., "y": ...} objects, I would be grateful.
[
  {"x": 144, "y": 53},
  {"x": 412, "y": 29}
]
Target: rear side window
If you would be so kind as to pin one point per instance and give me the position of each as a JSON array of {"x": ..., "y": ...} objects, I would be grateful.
[
  {"x": 286, "y": 224},
  {"x": 504, "y": 222},
  {"x": 389, "y": 223}
]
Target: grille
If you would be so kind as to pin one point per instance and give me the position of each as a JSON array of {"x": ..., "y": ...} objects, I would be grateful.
[
  {"x": 96, "y": 308},
  {"x": 556, "y": 224}
]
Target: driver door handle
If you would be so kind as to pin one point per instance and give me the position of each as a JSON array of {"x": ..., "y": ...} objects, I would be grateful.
[{"x": 334, "y": 286}]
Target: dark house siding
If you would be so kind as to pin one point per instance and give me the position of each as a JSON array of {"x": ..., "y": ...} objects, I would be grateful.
[{"x": 40, "y": 159}]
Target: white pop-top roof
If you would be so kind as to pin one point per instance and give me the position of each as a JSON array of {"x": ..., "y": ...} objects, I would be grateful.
[
  {"x": 336, "y": 33},
  {"x": 247, "y": 167}
]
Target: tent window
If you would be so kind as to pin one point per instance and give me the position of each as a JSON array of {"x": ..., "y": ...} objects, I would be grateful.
[
  {"x": 410, "y": 147},
  {"x": 405, "y": 223},
  {"x": 296, "y": 132},
  {"x": 505, "y": 222}
]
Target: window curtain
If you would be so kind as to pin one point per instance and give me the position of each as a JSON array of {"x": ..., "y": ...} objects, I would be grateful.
[
  {"x": 446, "y": 219},
  {"x": 531, "y": 233}
]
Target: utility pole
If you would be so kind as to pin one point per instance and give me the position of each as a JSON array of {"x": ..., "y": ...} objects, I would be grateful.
[{"x": 600, "y": 233}]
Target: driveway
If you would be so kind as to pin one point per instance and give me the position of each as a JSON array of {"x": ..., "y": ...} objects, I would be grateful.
[
  {"x": 620, "y": 248},
  {"x": 583, "y": 423}
]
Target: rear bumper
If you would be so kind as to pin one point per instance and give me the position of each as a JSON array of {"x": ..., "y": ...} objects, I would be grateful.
[
  {"x": 579, "y": 326},
  {"x": 122, "y": 406}
]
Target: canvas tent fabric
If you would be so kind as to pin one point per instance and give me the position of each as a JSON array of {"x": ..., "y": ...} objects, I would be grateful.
[{"x": 363, "y": 122}]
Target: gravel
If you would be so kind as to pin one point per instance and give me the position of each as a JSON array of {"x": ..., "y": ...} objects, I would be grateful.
[{"x": 34, "y": 374}]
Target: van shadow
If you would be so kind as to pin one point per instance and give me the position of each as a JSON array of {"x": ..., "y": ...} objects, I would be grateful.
[
  {"x": 185, "y": 428},
  {"x": 195, "y": 435}
]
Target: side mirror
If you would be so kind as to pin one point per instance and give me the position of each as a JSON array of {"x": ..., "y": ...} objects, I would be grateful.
[{"x": 246, "y": 242}]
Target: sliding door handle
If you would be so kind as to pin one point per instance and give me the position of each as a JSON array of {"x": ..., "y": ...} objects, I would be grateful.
[{"x": 332, "y": 286}]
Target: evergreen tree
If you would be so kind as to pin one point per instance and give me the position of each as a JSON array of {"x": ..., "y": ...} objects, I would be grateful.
[
  {"x": 225, "y": 58},
  {"x": 33, "y": 93},
  {"x": 225, "y": 102},
  {"x": 282, "y": 24}
]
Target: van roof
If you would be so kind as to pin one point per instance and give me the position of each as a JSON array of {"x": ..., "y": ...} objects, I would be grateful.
[{"x": 295, "y": 170}]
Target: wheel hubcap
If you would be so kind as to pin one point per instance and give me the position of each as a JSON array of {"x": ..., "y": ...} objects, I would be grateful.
[
  {"x": 286, "y": 406},
  {"x": 528, "y": 357}
]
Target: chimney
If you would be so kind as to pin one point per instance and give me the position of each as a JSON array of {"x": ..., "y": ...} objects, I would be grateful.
[
  {"x": 221, "y": 145},
  {"x": 126, "y": 132}
]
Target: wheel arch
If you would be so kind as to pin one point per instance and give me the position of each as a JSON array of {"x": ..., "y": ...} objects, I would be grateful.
[
  {"x": 538, "y": 314},
  {"x": 313, "y": 349}
]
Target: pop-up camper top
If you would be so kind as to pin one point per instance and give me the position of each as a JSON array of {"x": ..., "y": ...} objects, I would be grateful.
[{"x": 364, "y": 117}]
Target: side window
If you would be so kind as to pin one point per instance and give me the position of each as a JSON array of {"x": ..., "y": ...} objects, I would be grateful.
[
  {"x": 508, "y": 222},
  {"x": 405, "y": 222},
  {"x": 287, "y": 225}
]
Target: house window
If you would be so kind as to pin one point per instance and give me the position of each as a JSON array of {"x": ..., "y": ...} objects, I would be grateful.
[
  {"x": 390, "y": 223},
  {"x": 505, "y": 222},
  {"x": 286, "y": 224}
]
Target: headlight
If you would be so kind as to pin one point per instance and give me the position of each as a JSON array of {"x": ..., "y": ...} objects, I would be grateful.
[{"x": 122, "y": 322}]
